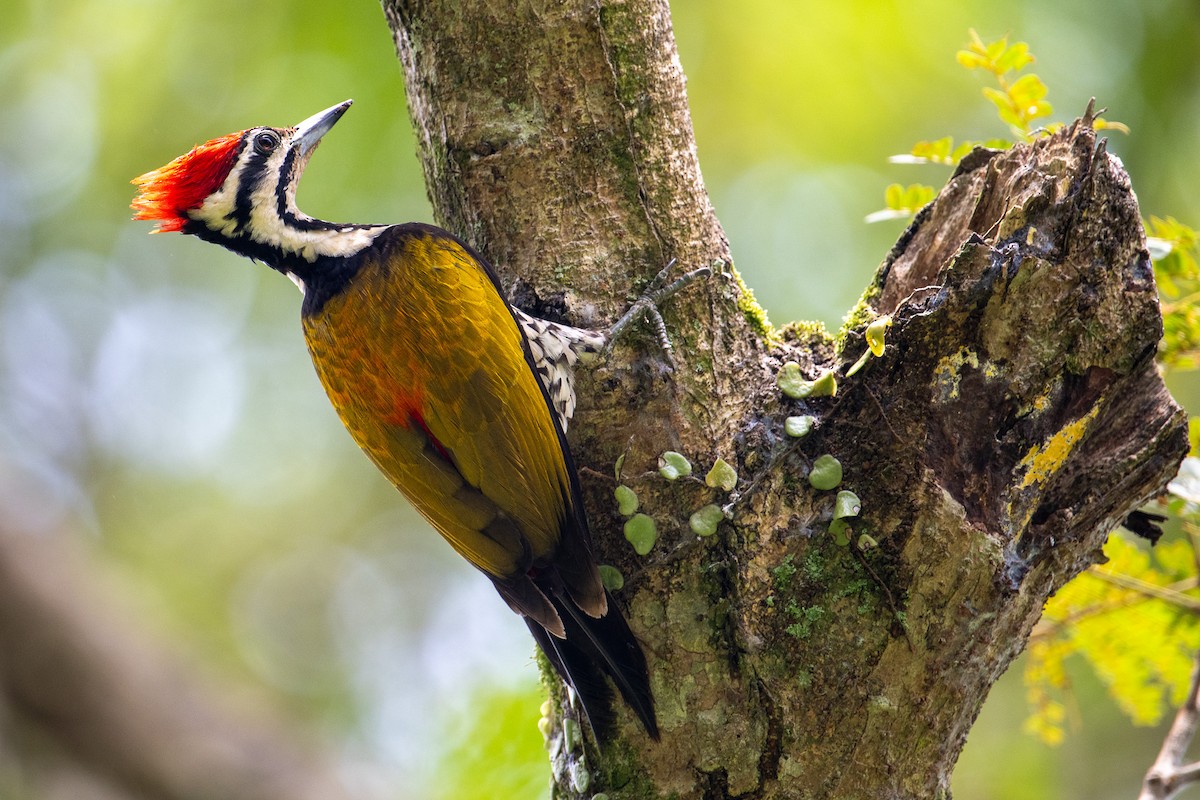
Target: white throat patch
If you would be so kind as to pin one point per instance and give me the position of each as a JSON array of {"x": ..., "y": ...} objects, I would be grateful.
[{"x": 267, "y": 226}]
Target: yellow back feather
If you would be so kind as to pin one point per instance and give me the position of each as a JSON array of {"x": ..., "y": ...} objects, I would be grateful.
[{"x": 422, "y": 359}]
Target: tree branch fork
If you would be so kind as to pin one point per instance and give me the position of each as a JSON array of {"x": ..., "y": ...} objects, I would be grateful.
[{"x": 1015, "y": 417}]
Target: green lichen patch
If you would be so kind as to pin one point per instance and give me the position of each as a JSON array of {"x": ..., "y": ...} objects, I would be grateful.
[
  {"x": 754, "y": 313},
  {"x": 858, "y": 317},
  {"x": 809, "y": 335},
  {"x": 783, "y": 574},
  {"x": 806, "y": 619}
]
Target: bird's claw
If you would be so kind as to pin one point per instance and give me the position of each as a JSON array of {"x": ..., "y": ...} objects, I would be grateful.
[{"x": 646, "y": 306}]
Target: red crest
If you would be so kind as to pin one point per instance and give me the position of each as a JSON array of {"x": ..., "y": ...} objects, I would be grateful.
[{"x": 168, "y": 192}]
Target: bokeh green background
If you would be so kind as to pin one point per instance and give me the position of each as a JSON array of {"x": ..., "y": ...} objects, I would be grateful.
[{"x": 157, "y": 404}]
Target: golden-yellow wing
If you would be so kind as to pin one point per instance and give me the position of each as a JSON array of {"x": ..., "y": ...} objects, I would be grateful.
[{"x": 428, "y": 370}]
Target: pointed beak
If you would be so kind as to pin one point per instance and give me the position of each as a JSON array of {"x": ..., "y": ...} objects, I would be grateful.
[{"x": 309, "y": 132}]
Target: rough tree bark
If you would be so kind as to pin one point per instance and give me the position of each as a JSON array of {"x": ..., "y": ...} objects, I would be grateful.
[{"x": 1013, "y": 421}]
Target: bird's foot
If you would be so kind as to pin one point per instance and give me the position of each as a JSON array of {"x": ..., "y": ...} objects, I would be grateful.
[{"x": 646, "y": 306}]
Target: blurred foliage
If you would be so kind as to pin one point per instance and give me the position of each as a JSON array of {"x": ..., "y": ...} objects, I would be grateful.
[
  {"x": 902, "y": 202},
  {"x": 1019, "y": 100},
  {"x": 1175, "y": 248},
  {"x": 155, "y": 396},
  {"x": 499, "y": 752},
  {"x": 1134, "y": 620}
]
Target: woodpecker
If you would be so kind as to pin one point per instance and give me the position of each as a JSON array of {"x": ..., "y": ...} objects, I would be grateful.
[{"x": 459, "y": 398}]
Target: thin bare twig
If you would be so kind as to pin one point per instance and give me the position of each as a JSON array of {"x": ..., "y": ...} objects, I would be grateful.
[
  {"x": 1186, "y": 602},
  {"x": 1168, "y": 776},
  {"x": 1046, "y": 628},
  {"x": 887, "y": 594}
]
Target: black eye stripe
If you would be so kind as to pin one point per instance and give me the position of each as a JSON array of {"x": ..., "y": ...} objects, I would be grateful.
[{"x": 251, "y": 175}]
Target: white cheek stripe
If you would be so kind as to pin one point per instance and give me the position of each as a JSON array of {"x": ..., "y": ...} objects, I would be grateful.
[
  {"x": 217, "y": 211},
  {"x": 267, "y": 227}
]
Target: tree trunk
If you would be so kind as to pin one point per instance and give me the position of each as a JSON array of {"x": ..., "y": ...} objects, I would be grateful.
[{"x": 1015, "y": 417}]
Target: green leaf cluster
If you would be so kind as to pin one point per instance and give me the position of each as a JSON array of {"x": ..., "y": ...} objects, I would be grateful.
[
  {"x": 902, "y": 201},
  {"x": 1133, "y": 620},
  {"x": 1173, "y": 246},
  {"x": 1020, "y": 102}
]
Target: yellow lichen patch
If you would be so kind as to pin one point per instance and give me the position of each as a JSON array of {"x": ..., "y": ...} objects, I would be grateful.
[
  {"x": 1038, "y": 404},
  {"x": 1043, "y": 461},
  {"x": 948, "y": 371}
]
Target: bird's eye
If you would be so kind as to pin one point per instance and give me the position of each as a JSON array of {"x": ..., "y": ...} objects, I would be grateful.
[{"x": 265, "y": 142}]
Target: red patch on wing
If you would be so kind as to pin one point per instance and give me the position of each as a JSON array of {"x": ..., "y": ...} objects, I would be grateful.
[
  {"x": 441, "y": 448},
  {"x": 407, "y": 413},
  {"x": 168, "y": 192}
]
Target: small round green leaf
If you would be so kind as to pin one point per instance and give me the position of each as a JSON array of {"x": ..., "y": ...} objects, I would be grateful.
[
  {"x": 627, "y": 500},
  {"x": 581, "y": 777},
  {"x": 792, "y": 383},
  {"x": 672, "y": 465},
  {"x": 641, "y": 532},
  {"x": 825, "y": 385},
  {"x": 798, "y": 427},
  {"x": 866, "y": 542},
  {"x": 704, "y": 521},
  {"x": 826, "y": 473},
  {"x": 721, "y": 476},
  {"x": 839, "y": 529},
  {"x": 790, "y": 380},
  {"x": 572, "y": 733},
  {"x": 846, "y": 504},
  {"x": 611, "y": 577},
  {"x": 876, "y": 332}
]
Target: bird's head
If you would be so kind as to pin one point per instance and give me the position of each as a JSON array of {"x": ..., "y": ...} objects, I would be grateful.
[{"x": 240, "y": 190}]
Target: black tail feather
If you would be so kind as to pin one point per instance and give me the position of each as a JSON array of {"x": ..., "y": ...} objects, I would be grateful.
[
  {"x": 580, "y": 673},
  {"x": 593, "y": 648}
]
